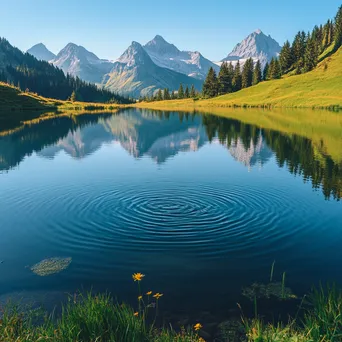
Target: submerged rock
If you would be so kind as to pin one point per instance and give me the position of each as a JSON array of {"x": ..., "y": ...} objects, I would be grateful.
[
  {"x": 51, "y": 266},
  {"x": 276, "y": 289}
]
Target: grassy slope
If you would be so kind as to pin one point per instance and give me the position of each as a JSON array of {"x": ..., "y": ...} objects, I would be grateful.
[
  {"x": 321, "y": 87},
  {"x": 11, "y": 98}
]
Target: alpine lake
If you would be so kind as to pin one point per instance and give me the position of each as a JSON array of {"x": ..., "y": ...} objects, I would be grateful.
[{"x": 215, "y": 209}]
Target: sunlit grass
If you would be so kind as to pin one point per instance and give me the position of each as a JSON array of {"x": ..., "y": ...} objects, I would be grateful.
[
  {"x": 13, "y": 99},
  {"x": 320, "y": 88}
]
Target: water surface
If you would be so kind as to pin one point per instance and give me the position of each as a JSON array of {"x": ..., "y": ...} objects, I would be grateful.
[{"x": 201, "y": 204}]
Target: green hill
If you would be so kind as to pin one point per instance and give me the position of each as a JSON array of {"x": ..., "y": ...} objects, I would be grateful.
[
  {"x": 11, "y": 98},
  {"x": 321, "y": 87}
]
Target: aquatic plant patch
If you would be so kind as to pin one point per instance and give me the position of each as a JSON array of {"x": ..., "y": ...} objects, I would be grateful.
[{"x": 50, "y": 266}]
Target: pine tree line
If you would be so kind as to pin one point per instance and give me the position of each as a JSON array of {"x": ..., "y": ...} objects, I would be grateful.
[
  {"x": 167, "y": 95},
  {"x": 301, "y": 56},
  {"x": 231, "y": 78}
]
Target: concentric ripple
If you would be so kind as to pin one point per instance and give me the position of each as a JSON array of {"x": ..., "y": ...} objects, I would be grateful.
[{"x": 206, "y": 220}]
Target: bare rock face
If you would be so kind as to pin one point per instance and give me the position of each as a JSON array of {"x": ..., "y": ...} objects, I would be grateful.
[
  {"x": 258, "y": 46},
  {"x": 135, "y": 74},
  {"x": 77, "y": 61},
  {"x": 190, "y": 63}
]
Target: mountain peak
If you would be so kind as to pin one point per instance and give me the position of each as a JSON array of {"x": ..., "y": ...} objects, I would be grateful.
[
  {"x": 256, "y": 45},
  {"x": 71, "y": 49},
  {"x": 136, "y": 45},
  {"x": 39, "y": 45},
  {"x": 78, "y": 61},
  {"x": 159, "y": 38},
  {"x": 158, "y": 45},
  {"x": 41, "y": 52},
  {"x": 135, "y": 54}
]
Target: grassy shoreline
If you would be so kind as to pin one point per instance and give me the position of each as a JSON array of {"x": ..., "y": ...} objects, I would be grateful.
[{"x": 97, "y": 317}]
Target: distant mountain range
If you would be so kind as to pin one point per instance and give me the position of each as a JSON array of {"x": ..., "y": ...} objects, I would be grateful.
[
  {"x": 142, "y": 70},
  {"x": 78, "y": 61},
  {"x": 167, "y": 55},
  {"x": 135, "y": 73}
]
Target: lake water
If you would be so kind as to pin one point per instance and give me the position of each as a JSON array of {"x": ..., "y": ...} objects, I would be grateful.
[{"x": 201, "y": 204}]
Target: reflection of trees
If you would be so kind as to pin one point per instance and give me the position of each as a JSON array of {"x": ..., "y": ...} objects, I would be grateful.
[
  {"x": 298, "y": 154},
  {"x": 34, "y": 137},
  {"x": 303, "y": 158}
]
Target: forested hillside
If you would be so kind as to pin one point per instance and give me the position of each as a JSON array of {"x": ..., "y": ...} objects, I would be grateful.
[{"x": 29, "y": 74}]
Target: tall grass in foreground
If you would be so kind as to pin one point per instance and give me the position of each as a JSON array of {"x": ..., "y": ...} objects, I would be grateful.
[
  {"x": 97, "y": 318},
  {"x": 322, "y": 321},
  {"x": 86, "y": 319}
]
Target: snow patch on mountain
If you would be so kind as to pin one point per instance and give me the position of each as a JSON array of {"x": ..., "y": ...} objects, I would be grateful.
[
  {"x": 135, "y": 74},
  {"x": 167, "y": 55},
  {"x": 256, "y": 45},
  {"x": 77, "y": 61}
]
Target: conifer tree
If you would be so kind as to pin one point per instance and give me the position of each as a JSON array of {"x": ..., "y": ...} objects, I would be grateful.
[
  {"x": 257, "y": 76},
  {"x": 285, "y": 57},
  {"x": 210, "y": 85},
  {"x": 265, "y": 75},
  {"x": 298, "y": 50},
  {"x": 274, "y": 70},
  {"x": 181, "y": 92},
  {"x": 225, "y": 79},
  {"x": 270, "y": 73},
  {"x": 247, "y": 73},
  {"x": 338, "y": 29},
  {"x": 173, "y": 95},
  {"x": 231, "y": 70},
  {"x": 166, "y": 94},
  {"x": 277, "y": 69},
  {"x": 187, "y": 93},
  {"x": 73, "y": 96},
  {"x": 331, "y": 33},
  {"x": 237, "y": 81},
  {"x": 192, "y": 92},
  {"x": 311, "y": 55},
  {"x": 159, "y": 95},
  {"x": 325, "y": 41}
]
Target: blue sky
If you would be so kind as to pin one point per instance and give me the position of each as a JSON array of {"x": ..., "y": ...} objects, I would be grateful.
[{"x": 107, "y": 27}]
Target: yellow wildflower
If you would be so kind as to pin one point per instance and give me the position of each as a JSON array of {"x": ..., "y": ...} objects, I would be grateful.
[
  {"x": 149, "y": 293},
  {"x": 157, "y": 295},
  {"x": 201, "y": 339},
  {"x": 138, "y": 276},
  {"x": 197, "y": 326},
  {"x": 140, "y": 298},
  {"x": 136, "y": 314}
]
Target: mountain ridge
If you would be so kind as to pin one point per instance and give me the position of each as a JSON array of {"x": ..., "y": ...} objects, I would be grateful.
[
  {"x": 78, "y": 61},
  {"x": 41, "y": 52},
  {"x": 167, "y": 55},
  {"x": 135, "y": 73}
]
